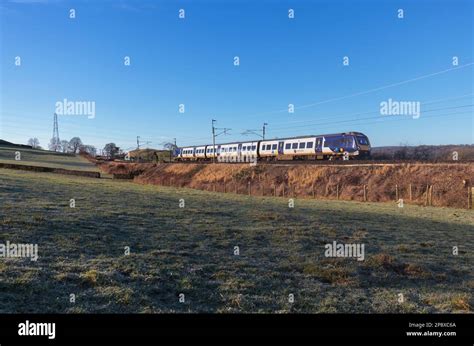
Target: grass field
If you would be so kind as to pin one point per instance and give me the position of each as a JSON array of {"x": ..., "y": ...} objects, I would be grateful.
[
  {"x": 44, "y": 158},
  {"x": 190, "y": 250}
]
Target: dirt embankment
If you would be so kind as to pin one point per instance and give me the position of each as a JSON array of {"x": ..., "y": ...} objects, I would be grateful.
[{"x": 450, "y": 182}]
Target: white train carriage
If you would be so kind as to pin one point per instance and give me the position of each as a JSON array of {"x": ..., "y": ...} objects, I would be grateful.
[
  {"x": 269, "y": 149},
  {"x": 211, "y": 151},
  {"x": 187, "y": 153},
  {"x": 299, "y": 147},
  {"x": 247, "y": 151},
  {"x": 228, "y": 152},
  {"x": 200, "y": 153}
]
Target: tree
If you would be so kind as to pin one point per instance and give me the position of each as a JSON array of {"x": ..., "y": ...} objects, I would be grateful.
[
  {"x": 401, "y": 153},
  {"x": 54, "y": 145},
  {"x": 75, "y": 144},
  {"x": 89, "y": 149},
  {"x": 111, "y": 150},
  {"x": 169, "y": 146},
  {"x": 34, "y": 142},
  {"x": 64, "y": 146}
]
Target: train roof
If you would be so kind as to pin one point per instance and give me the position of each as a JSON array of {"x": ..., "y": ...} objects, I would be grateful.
[{"x": 279, "y": 139}]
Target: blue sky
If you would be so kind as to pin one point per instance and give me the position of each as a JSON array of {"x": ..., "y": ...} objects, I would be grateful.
[{"x": 282, "y": 61}]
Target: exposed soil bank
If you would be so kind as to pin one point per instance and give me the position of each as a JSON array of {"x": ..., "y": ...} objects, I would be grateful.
[{"x": 450, "y": 182}]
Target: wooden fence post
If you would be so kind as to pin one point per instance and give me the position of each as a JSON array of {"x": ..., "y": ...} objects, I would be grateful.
[
  {"x": 313, "y": 190},
  {"x": 396, "y": 192},
  {"x": 426, "y": 195},
  {"x": 365, "y": 193},
  {"x": 410, "y": 193},
  {"x": 431, "y": 195},
  {"x": 470, "y": 197},
  {"x": 283, "y": 190},
  {"x": 250, "y": 189},
  {"x": 337, "y": 191},
  {"x": 224, "y": 186}
]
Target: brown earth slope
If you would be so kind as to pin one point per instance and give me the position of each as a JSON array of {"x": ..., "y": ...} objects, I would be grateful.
[{"x": 450, "y": 181}]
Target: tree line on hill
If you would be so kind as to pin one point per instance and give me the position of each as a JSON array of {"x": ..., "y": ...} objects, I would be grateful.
[
  {"x": 75, "y": 146},
  {"x": 425, "y": 152}
]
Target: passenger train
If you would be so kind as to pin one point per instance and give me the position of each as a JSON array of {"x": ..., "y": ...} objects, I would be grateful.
[{"x": 348, "y": 145}]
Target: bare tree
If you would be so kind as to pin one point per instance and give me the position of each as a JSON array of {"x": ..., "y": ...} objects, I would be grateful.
[
  {"x": 89, "y": 149},
  {"x": 34, "y": 142},
  {"x": 54, "y": 145},
  {"x": 111, "y": 150},
  {"x": 64, "y": 145},
  {"x": 169, "y": 146},
  {"x": 75, "y": 144}
]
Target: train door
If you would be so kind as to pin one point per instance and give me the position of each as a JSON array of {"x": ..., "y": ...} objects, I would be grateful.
[
  {"x": 239, "y": 152},
  {"x": 319, "y": 145},
  {"x": 280, "y": 148}
]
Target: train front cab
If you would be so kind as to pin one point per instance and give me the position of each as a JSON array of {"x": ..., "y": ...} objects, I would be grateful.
[
  {"x": 363, "y": 145},
  {"x": 345, "y": 145},
  {"x": 339, "y": 146}
]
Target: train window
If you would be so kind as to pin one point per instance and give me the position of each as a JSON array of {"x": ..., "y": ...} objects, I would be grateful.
[
  {"x": 294, "y": 146},
  {"x": 269, "y": 147},
  {"x": 254, "y": 147},
  {"x": 288, "y": 146},
  {"x": 302, "y": 145},
  {"x": 309, "y": 145},
  {"x": 274, "y": 146},
  {"x": 244, "y": 148},
  {"x": 332, "y": 141},
  {"x": 362, "y": 140}
]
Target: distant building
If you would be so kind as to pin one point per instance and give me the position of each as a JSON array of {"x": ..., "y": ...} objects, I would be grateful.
[{"x": 147, "y": 155}]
